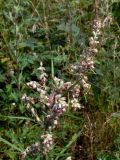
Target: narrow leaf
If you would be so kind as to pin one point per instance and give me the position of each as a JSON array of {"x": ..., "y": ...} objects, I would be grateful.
[
  {"x": 10, "y": 144},
  {"x": 74, "y": 138}
]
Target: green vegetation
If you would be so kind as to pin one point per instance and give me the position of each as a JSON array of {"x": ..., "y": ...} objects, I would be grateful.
[{"x": 60, "y": 79}]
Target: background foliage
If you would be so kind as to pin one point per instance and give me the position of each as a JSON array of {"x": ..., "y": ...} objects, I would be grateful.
[{"x": 56, "y": 32}]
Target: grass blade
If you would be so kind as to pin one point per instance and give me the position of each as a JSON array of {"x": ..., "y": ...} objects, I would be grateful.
[
  {"x": 16, "y": 117},
  {"x": 74, "y": 138},
  {"x": 10, "y": 144}
]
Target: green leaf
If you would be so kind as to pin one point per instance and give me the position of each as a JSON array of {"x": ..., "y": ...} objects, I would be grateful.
[
  {"x": 117, "y": 115},
  {"x": 10, "y": 144},
  {"x": 15, "y": 117},
  {"x": 52, "y": 68},
  {"x": 11, "y": 154},
  {"x": 74, "y": 138}
]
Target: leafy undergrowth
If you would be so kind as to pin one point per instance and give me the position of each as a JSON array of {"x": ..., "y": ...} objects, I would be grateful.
[{"x": 57, "y": 33}]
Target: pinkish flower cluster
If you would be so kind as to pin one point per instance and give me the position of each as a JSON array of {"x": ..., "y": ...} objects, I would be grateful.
[
  {"x": 47, "y": 142},
  {"x": 42, "y": 147},
  {"x": 43, "y": 76},
  {"x": 58, "y": 108},
  {"x": 29, "y": 102},
  {"x": 32, "y": 149}
]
